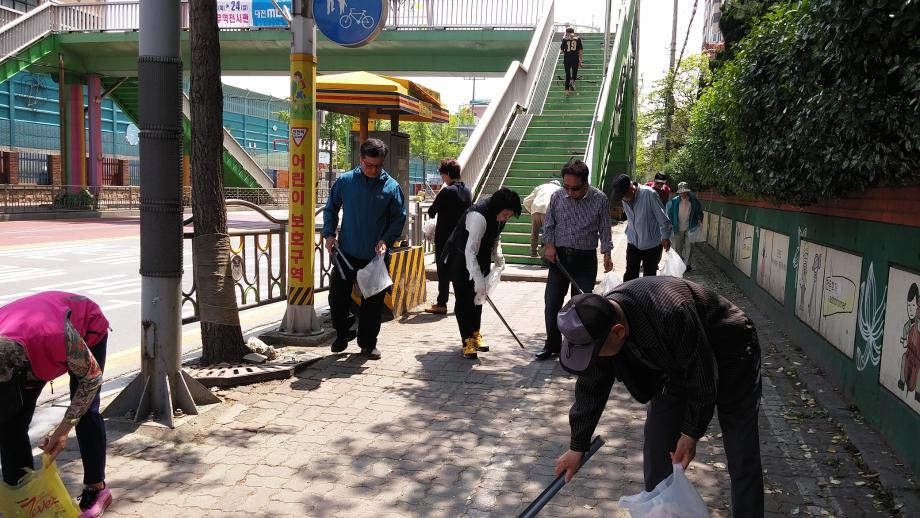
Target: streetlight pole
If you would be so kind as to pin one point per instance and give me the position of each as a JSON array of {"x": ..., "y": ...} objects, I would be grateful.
[{"x": 162, "y": 388}]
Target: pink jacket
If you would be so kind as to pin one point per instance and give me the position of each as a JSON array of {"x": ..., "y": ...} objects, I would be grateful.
[{"x": 37, "y": 322}]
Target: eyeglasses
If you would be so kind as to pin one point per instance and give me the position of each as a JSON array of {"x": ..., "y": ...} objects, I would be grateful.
[{"x": 569, "y": 188}]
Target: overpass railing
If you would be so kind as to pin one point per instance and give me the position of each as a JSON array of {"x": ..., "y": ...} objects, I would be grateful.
[
  {"x": 610, "y": 105},
  {"x": 517, "y": 85},
  {"x": 20, "y": 31}
]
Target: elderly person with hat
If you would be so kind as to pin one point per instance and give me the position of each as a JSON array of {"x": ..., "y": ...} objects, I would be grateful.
[
  {"x": 660, "y": 184},
  {"x": 686, "y": 214},
  {"x": 648, "y": 230},
  {"x": 685, "y": 350}
]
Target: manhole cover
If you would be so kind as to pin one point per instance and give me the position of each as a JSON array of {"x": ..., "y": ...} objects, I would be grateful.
[{"x": 247, "y": 373}]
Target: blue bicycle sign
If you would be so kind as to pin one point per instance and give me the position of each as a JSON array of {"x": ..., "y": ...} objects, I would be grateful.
[
  {"x": 351, "y": 23},
  {"x": 359, "y": 17}
]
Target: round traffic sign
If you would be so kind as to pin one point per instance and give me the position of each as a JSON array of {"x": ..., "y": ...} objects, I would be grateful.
[{"x": 350, "y": 23}]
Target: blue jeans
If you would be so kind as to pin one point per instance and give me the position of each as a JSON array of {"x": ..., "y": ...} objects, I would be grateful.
[
  {"x": 16, "y": 451},
  {"x": 582, "y": 266}
]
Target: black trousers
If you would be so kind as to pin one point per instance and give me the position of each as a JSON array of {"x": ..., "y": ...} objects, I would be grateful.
[
  {"x": 469, "y": 315},
  {"x": 582, "y": 266},
  {"x": 340, "y": 304},
  {"x": 443, "y": 275},
  {"x": 571, "y": 72},
  {"x": 649, "y": 260},
  {"x": 738, "y": 406},
  {"x": 16, "y": 451}
]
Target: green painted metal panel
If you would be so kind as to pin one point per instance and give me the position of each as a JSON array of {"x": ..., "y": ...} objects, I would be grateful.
[{"x": 880, "y": 245}]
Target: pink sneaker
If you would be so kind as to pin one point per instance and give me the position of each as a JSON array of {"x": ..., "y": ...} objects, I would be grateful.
[{"x": 94, "y": 501}]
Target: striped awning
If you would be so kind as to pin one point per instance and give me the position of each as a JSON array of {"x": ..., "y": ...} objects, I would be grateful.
[{"x": 382, "y": 96}]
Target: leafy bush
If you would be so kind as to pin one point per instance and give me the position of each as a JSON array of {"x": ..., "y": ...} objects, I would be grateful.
[{"x": 822, "y": 99}]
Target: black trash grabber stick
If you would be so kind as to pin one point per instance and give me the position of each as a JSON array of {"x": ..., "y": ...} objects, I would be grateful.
[
  {"x": 557, "y": 484},
  {"x": 500, "y": 317},
  {"x": 569, "y": 277}
]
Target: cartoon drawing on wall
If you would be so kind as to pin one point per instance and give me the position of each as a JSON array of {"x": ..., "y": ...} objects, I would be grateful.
[
  {"x": 871, "y": 321},
  {"x": 803, "y": 277},
  {"x": 910, "y": 341},
  {"x": 802, "y": 233},
  {"x": 815, "y": 268},
  {"x": 771, "y": 269},
  {"x": 828, "y": 280},
  {"x": 713, "y": 237},
  {"x": 744, "y": 247},
  {"x": 725, "y": 237},
  {"x": 899, "y": 368}
]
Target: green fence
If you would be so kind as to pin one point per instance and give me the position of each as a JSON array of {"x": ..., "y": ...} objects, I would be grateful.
[{"x": 840, "y": 287}]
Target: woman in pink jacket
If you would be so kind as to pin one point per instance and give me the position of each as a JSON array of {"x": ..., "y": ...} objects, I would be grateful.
[{"x": 42, "y": 337}]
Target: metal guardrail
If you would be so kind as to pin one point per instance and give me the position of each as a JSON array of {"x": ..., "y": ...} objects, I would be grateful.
[
  {"x": 7, "y": 15},
  {"x": 252, "y": 263},
  {"x": 123, "y": 16},
  {"x": 518, "y": 83}
]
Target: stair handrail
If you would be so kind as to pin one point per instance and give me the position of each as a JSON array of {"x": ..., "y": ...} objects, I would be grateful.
[
  {"x": 517, "y": 85},
  {"x": 26, "y": 30},
  {"x": 596, "y": 152}
]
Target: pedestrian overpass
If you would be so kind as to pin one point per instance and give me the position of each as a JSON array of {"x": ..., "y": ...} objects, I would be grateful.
[{"x": 523, "y": 139}]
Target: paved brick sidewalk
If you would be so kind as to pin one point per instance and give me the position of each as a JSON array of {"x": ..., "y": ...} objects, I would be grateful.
[{"x": 424, "y": 432}]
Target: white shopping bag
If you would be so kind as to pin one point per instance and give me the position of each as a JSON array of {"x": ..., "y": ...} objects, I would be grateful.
[
  {"x": 696, "y": 235},
  {"x": 429, "y": 227},
  {"x": 492, "y": 280},
  {"x": 674, "y": 497},
  {"x": 674, "y": 265},
  {"x": 374, "y": 278},
  {"x": 610, "y": 281}
]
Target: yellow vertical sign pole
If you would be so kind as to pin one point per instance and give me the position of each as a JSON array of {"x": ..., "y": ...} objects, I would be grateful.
[{"x": 300, "y": 315}]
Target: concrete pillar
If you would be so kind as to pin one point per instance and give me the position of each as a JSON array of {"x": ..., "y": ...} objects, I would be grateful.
[
  {"x": 73, "y": 146},
  {"x": 94, "y": 112}
]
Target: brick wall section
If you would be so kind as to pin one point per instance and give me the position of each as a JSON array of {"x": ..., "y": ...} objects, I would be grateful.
[
  {"x": 11, "y": 167},
  {"x": 895, "y": 205},
  {"x": 55, "y": 168}
]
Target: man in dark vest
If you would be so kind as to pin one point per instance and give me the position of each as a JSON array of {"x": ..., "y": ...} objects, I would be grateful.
[
  {"x": 468, "y": 258},
  {"x": 451, "y": 203}
]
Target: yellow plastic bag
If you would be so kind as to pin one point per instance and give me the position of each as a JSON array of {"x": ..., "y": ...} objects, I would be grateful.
[{"x": 39, "y": 494}]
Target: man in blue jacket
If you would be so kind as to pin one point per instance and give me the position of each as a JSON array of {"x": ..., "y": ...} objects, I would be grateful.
[{"x": 373, "y": 215}]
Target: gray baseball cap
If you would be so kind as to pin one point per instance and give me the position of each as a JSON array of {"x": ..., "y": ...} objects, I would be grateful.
[{"x": 585, "y": 321}]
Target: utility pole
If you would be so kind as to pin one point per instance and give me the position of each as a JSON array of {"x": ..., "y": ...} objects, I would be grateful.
[
  {"x": 162, "y": 389},
  {"x": 669, "y": 97},
  {"x": 300, "y": 316}
]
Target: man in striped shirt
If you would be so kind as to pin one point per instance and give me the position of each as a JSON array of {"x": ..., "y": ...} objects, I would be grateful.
[
  {"x": 576, "y": 218},
  {"x": 684, "y": 349}
]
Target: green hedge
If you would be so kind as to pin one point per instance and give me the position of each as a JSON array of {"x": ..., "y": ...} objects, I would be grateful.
[{"x": 822, "y": 100}]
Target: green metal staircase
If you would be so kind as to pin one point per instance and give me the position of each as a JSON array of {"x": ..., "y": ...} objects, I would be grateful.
[{"x": 556, "y": 134}]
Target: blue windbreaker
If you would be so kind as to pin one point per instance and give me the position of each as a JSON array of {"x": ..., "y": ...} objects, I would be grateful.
[{"x": 374, "y": 209}]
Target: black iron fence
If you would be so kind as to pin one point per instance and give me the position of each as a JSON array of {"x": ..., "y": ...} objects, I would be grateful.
[{"x": 33, "y": 169}]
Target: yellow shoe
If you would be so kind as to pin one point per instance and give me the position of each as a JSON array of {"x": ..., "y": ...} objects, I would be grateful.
[
  {"x": 469, "y": 348},
  {"x": 481, "y": 344}
]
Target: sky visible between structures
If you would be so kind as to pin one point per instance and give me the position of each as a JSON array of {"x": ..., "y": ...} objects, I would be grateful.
[{"x": 654, "y": 43}]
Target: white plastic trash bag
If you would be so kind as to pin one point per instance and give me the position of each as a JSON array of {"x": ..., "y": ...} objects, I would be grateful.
[
  {"x": 429, "y": 227},
  {"x": 374, "y": 278},
  {"x": 674, "y": 265},
  {"x": 674, "y": 497},
  {"x": 696, "y": 235},
  {"x": 492, "y": 281},
  {"x": 610, "y": 281}
]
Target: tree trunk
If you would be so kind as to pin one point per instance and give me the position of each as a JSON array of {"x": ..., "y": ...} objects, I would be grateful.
[{"x": 221, "y": 336}]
